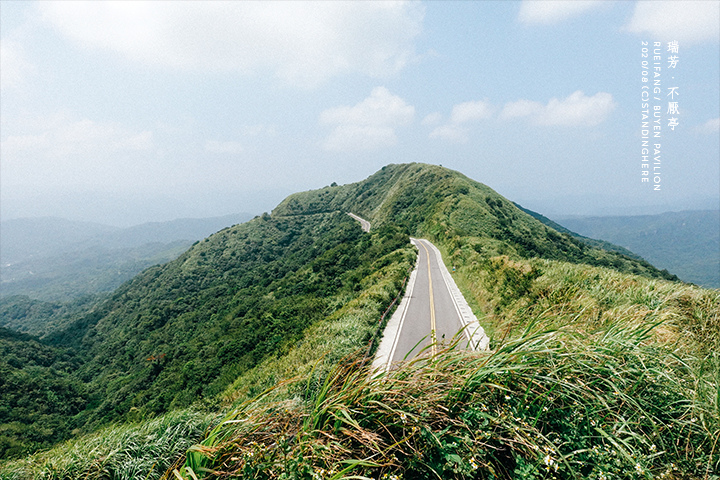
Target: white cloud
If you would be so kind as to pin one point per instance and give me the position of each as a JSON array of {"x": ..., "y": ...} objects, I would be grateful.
[
  {"x": 533, "y": 12},
  {"x": 61, "y": 136},
  {"x": 520, "y": 108},
  {"x": 470, "y": 111},
  {"x": 64, "y": 150},
  {"x": 368, "y": 125},
  {"x": 711, "y": 126},
  {"x": 15, "y": 67},
  {"x": 230, "y": 147},
  {"x": 686, "y": 21},
  {"x": 575, "y": 110},
  {"x": 452, "y": 132},
  {"x": 456, "y": 129},
  {"x": 432, "y": 119},
  {"x": 303, "y": 43}
]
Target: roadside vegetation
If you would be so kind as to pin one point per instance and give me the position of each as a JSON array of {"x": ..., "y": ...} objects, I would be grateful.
[
  {"x": 591, "y": 374},
  {"x": 600, "y": 366},
  {"x": 544, "y": 405}
]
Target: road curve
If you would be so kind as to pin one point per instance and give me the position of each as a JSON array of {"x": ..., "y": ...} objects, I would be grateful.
[
  {"x": 431, "y": 313},
  {"x": 364, "y": 224}
]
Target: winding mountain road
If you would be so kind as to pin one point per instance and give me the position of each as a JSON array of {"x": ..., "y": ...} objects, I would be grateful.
[
  {"x": 432, "y": 313},
  {"x": 364, "y": 224}
]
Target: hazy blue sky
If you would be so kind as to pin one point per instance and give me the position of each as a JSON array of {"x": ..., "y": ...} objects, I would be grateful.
[{"x": 124, "y": 112}]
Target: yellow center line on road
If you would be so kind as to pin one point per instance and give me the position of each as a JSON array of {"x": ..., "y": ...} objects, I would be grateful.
[{"x": 433, "y": 335}]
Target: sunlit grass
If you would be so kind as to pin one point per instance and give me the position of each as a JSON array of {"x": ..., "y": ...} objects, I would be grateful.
[
  {"x": 125, "y": 452},
  {"x": 548, "y": 404},
  {"x": 593, "y": 374}
]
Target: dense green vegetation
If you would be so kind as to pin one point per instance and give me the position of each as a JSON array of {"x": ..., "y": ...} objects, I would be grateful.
[
  {"x": 186, "y": 330},
  {"x": 686, "y": 243},
  {"x": 547, "y": 404},
  {"x": 39, "y": 396},
  {"x": 447, "y": 206},
  {"x": 39, "y": 318},
  {"x": 601, "y": 365},
  {"x": 590, "y": 241},
  {"x": 181, "y": 333}
]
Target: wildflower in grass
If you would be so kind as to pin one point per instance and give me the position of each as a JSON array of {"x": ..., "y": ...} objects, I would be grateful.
[
  {"x": 403, "y": 417},
  {"x": 550, "y": 449},
  {"x": 473, "y": 463},
  {"x": 507, "y": 397},
  {"x": 550, "y": 463},
  {"x": 602, "y": 476},
  {"x": 388, "y": 476},
  {"x": 639, "y": 469},
  {"x": 653, "y": 448}
]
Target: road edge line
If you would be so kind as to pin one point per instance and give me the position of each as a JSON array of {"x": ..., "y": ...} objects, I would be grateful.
[
  {"x": 475, "y": 333},
  {"x": 391, "y": 333}
]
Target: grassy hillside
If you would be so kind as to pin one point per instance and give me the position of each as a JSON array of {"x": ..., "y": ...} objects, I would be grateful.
[
  {"x": 595, "y": 371},
  {"x": 179, "y": 334},
  {"x": 590, "y": 241},
  {"x": 444, "y": 205},
  {"x": 686, "y": 243},
  {"x": 601, "y": 366}
]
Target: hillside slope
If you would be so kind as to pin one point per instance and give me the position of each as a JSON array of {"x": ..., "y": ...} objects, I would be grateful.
[
  {"x": 288, "y": 304},
  {"x": 182, "y": 332},
  {"x": 445, "y": 205}
]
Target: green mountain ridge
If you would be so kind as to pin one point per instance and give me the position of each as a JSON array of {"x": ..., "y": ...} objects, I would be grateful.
[
  {"x": 424, "y": 199},
  {"x": 292, "y": 293},
  {"x": 686, "y": 243}
]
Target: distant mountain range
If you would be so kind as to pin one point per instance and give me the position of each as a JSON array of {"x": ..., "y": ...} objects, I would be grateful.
[
  {"x": 288, "y": 306},
  {"x": 56, "y": 259},
  {"x": 685, "y": 243}
]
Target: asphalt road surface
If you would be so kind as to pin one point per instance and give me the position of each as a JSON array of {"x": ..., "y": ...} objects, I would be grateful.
[
  {"x": 432, "y": 313},
  {"x": 364, "y": 224}
]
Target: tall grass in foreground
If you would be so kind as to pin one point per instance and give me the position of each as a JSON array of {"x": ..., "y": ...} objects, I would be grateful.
[
  {"x": 550, "y": 404},
  {"x": 125, "y": 452}
]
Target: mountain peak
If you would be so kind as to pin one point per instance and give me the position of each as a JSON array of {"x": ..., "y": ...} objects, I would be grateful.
[{"x": 442, "y": 204}]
